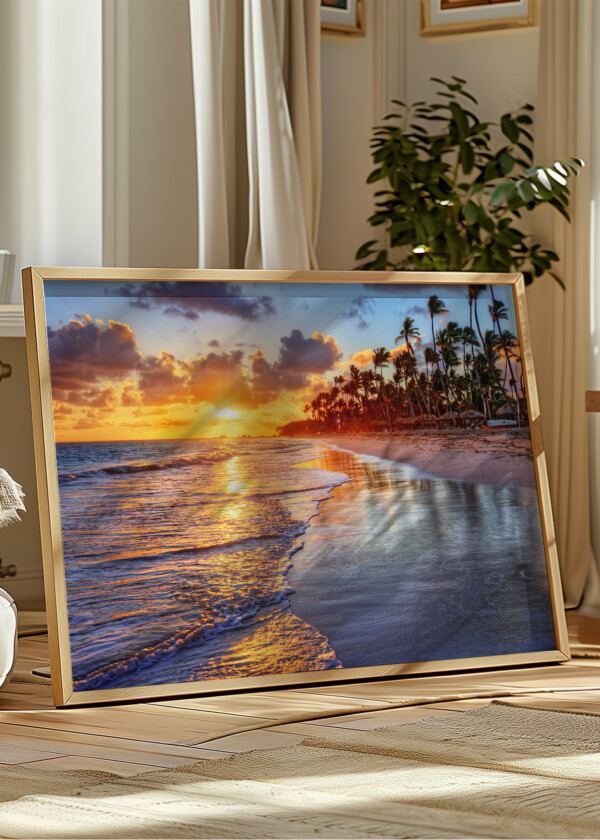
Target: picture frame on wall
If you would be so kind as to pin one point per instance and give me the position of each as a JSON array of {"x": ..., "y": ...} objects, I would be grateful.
[
  {"x": 459, "y": 17},
  {"x": 343, "y": 17},
  {"x": 269, "y": 478}
]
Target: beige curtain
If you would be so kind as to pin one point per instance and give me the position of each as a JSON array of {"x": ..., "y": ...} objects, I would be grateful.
[
  {"x": 256, "y": 70},
  {"x": 560, "y": 319}
]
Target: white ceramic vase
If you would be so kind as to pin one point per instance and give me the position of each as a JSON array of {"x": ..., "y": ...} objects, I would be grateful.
[{"x": 8, "y": 636}]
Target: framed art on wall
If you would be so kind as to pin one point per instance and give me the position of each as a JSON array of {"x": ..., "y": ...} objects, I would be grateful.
[
  {"x": 458, "y": 17},
  {"x": 343, "y": 17},
  {"x": 258, "y": 478}
]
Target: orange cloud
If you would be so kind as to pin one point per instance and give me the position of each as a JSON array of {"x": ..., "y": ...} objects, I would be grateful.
[{"x": 362, "y": 358}]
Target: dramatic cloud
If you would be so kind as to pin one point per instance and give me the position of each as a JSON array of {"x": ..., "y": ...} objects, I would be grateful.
[
  {"x": 269, "y": 380},
  {"x": 214, "y": 342},
  {"x": 308, "y": 355},
  {"x": 85, "y": 352},
  {"x": 362, "y": 358},
  {"x": 161, "y": 380},
  {"x": 61, "y": 410},
  {"x": 130, "y": 396},
  {"x": 219, "y": 379},
  {"x": 103, "y": 380},
  {"x": 419, "y": 311},
  {"x": 359, "y": 308},
  {"x": 188, "y": 300},
  {"x": 299, "y": 358}
]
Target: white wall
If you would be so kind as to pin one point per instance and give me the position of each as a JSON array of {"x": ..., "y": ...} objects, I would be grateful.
[
  {"x": 501, "y": 69},
  {"x": 347, "y": 89},
  {"x": 51, "y": 137}
]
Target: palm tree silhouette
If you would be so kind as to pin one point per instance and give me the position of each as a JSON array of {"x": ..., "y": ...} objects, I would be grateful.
[
  {"x": 499, "y": 312},
  {"x": 437, "y": 306},
  {"x": 381, "y": 358}
]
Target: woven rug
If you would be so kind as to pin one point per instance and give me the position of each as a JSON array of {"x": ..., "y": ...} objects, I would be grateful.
[{"x": 499, "y": 771}]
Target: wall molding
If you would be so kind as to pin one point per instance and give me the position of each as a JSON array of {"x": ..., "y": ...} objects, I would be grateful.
[
  {"x": 389, "y": 30},
  {"x": 115, "y": 131},
  {"x": 12, "y": 321}
]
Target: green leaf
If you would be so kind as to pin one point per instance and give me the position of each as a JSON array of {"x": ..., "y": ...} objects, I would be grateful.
[
  {"x": 486, "y": 222},
  {"x": 365, "y": 250},
  {"x": 460, "y": 118},
  {"x": 526, "y": 151},
  {"x": 525, "y": 190},
  {"x": 509, "y": 128},
  {"x": 470, "y": 213},
  {"x": 507, "y": 162},
  {"x": 376, "y": 175},
  {"x": 503, "y": 193},
  {"x": 467, "y": 157}
]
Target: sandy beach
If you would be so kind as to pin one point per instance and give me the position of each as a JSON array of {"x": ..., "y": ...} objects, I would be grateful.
[
  {"x": 466, "y": 455},
  {"x": 399, "y": 567}
]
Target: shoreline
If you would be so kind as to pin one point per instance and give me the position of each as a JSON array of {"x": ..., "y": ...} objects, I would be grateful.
[
  {"x": 396, "y": 569},
  {"x": 503, "y": 458}
]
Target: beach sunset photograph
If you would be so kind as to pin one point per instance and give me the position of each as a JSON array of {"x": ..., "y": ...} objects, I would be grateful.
[{"x": 261, "y": 478}]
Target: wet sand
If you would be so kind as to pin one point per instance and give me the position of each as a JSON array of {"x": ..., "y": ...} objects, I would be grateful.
[
  {"x": 499, "y": 457},
  {"x": 398, "y": 567}
]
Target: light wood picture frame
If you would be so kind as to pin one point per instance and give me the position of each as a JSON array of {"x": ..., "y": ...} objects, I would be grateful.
[
  {"x": 237, "y": 489},
  {"x": 343, "y": 17},
  {"x": 461, "y": 17}
]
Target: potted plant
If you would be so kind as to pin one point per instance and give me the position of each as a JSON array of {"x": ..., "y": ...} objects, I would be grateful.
[{"x": 456, "y": 189}]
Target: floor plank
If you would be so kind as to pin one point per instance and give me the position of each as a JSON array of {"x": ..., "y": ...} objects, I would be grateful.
[{"x": 131, "y": 738}]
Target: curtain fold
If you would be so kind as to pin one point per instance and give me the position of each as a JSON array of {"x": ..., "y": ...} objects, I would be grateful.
[
  {"x": 560, "y": 318},
  {"x": 256, "y": 70}
]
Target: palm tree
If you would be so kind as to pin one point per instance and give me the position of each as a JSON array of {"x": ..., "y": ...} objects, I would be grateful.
[
  {"x": 381, "y": 358},
  {"x": 509, "y": 343},
  {"x": 407, "y": 332},
  {"x": 491, "y": 344},
  {"x": 432, "y": 357},
  {"x": 367, "y": 381},
  {"x": 447, "y": 340},
  {"x": 499, "y": 313},
  {"x": 469, "y": 338},
  {"x": 474, "y": 292},
  {"x": 438, "y": 307}
]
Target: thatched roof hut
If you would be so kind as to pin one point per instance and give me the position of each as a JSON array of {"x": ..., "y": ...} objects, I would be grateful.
[{"x": 426, "y": 420}]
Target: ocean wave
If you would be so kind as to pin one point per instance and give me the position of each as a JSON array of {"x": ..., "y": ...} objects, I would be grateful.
[
  {"x": 147, "y": 466},
  {"x": 242, "y": 542},
  {"x": 168, "y": 648}
]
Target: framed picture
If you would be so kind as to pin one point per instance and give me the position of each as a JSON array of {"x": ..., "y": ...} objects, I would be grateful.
[
  {"x": 344, "y": 17},
  {"x": 259, "y": 478},
  {"x": 456, "y": 17},
  {"x": 20, "y": 545}
]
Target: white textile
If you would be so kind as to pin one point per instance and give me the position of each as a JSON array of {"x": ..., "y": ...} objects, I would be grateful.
[{"x": 11, "y": 499}]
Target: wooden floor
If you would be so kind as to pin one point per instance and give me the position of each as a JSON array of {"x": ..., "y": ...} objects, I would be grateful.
[{"x": 129, "y": 739}]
